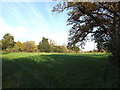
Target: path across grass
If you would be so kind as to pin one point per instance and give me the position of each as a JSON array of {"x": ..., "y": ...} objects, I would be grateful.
[{"x": 41, "y": 70}]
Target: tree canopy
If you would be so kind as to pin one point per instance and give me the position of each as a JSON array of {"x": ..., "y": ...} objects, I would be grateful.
[
  {"x": 7, "y": 41},
  {"x": 44, "y": 45},
  {"x": 29, "y": 46},
  {"x": 101, "y": 20}
]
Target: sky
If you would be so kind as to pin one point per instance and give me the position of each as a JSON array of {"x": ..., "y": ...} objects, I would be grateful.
[{"x": 30, "y": 21}]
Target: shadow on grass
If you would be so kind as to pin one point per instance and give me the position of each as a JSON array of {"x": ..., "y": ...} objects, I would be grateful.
[
  {"x": 57, "y": 71},
  {"x": 4, "y": 53}
]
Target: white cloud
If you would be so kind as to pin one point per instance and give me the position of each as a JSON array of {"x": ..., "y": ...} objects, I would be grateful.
[
  {"x": 18, "y": 32},
  {"x": 36, "y": 35},
  {"x": 22, "y": 33}
]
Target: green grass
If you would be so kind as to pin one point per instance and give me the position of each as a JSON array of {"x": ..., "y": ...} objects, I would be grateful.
[{"x": 41, "y": 70}]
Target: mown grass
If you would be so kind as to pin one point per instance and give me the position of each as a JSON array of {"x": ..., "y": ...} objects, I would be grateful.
[{"x": 41, "y": 70}]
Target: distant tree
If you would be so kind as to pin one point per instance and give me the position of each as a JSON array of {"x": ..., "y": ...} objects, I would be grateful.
[
  {"x": 63, "y": 49},
  {"x": 18, "y": 47},
  {"x": 44, "y": 45},
  {"x": 52, "y": 45},
  {"x": 29, "y": 46},
  {"x": 55, "y": 49},
  {"x": 60, "y": 49},
  {"x": 52, "y": 42},
  {"x": 96, "y": 50},
  {"x": 74, "y": 48},
  {"x": 7, "y": 41},
  {"x": 0, "y": 45}
]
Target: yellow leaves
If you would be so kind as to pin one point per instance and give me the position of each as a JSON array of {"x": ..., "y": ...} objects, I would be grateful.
[
  {"x": 113, "y": 6},
  {"x": 19, "y": 43},
  {"x": 89, "y": 6},
  {"x": 70, "y": 4}
]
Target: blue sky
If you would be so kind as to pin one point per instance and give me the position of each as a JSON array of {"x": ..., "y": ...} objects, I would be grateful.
[{"x": 34, "y": 20}]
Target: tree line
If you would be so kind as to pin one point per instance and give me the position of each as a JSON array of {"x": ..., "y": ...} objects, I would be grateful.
[{"x": 45, "y": 45}]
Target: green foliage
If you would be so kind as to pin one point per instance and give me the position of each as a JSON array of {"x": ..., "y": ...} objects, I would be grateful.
[
  {"x": 8, "y": 50},
  {"x": 113, "y": 45},
  {"x": 0, "y": 44},
  {"x": 7, "y": 41},
  {"x": 53, "y": 46},
  {"x": 96, "y": 50},
  {"x": 60, "y": 49},
  {"x": 74, "y": 48},
  {"x": 18, "y": 47},
  {"x": 48, "y": 70},
  {"x": 29, "y": 46},
  {"x": 44, "y": 45},
  {"x": 63, "y": 49}
]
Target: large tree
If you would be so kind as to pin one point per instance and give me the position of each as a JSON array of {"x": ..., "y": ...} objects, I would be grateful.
[
  {"x": 101, "y": 20},
  {"x": 7, "y": 41}
]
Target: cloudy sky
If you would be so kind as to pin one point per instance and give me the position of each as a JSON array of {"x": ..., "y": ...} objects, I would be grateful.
[{"x": 34, "y": 20}]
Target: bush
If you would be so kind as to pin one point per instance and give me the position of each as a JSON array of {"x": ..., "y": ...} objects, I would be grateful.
[{"x": 29, "y": 46}]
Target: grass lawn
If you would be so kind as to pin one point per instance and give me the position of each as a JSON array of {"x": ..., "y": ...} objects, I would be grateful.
[{"x": 41, "y": 70}]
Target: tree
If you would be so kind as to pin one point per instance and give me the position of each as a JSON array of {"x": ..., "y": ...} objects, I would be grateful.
[
  {"x": 101, "y": 20},
  {"x": 7, "y": 41},
  {"x": 64, "y": 49},
  {"x": 18, "y": 47},
  {"x": 58, "y": 48},
  {"x": 74, "y": 48},
  {"x": 52, "y": 45},
  {"x": 44, "y": 45},
  {"x": 29, "y": 46},
  {"x": 0, "y": 45}
]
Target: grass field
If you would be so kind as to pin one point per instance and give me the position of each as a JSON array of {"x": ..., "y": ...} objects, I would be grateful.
[{"x": 41, "y": 70}]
